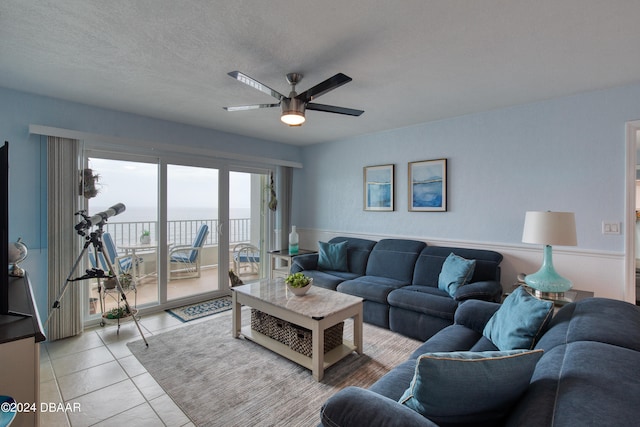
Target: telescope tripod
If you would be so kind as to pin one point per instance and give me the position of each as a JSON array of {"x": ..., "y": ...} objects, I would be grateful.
[{"x": 94, "y": 240}]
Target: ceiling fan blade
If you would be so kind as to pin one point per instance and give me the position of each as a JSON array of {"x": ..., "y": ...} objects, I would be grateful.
[
  {"x": 333, "y": 109},
  {"x": 251, "y": 107},
  {"x": 255, "y": 84},
  {"x": 324, "y": 87}
]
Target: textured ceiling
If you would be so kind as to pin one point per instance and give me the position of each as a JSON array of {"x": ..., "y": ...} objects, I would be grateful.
[{"x": 411, "y": 61}]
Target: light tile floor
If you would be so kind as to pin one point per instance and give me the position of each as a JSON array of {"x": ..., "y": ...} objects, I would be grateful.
[{"x": 97, "y": 371}]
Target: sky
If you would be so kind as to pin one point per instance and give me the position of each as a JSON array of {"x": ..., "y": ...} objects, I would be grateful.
[{"x": 135, "y": 184}]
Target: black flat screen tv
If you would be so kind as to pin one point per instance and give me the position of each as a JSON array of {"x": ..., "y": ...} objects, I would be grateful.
[{"x": 4, "y": 228}]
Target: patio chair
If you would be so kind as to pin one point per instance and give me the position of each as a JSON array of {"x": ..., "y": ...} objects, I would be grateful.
[
  {"x": 247, "y": 256},
  {"x": 186, "y": 258},
  {"x": 123, "y": 264}
]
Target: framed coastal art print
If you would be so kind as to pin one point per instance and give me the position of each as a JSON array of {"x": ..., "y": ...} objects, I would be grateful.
[
  {"x": 428, "y": 186},
  {"x": 378, "y": 188}
]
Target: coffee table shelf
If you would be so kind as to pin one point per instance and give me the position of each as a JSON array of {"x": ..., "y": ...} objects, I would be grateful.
[{"x": 330, "y": 358}]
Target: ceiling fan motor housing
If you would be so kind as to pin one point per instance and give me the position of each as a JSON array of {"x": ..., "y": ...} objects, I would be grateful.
[
  {"x": 293, "y": 111},
  {"x": 293, "y": 106}
]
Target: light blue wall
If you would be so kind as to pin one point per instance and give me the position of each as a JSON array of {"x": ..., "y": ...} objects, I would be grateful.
[
  {"x": 566, "y": 154},
  {"x": 27, "y": 158},
  {"x": 562, "y": 154}
]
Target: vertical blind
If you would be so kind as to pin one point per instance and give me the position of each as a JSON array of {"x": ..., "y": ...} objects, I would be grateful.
[{"x": 63, "y": 180}]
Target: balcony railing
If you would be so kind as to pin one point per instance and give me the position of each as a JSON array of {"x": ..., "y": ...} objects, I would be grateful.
[{"x": 180, "y": 232}]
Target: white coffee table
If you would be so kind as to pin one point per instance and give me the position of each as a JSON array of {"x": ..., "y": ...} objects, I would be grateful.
[{"x": 317, "y": 311}]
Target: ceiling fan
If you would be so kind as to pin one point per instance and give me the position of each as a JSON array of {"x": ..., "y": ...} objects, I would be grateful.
[{"x": 294, "y": 106}]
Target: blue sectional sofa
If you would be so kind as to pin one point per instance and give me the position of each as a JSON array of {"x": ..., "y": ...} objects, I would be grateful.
[
  {"x": 586, "y": 376},
  {"x": 398, "y": 280}
]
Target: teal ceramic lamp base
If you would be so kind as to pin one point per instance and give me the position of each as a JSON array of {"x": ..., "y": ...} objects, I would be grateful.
[{"x": 546, "y": 282}]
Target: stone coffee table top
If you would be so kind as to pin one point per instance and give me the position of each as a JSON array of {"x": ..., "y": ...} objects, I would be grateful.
[{"x": 317, "y": 303}]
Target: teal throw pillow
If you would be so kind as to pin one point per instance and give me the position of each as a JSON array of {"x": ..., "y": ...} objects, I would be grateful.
[
  {"x": 332, "y": 256},
  {"x": 469, "y": 387},
  {"x": 456, "y": 271},
  {"x": 519, "y": 322}
]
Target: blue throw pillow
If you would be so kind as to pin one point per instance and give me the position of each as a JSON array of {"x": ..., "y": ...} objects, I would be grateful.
[
  {"x": 456, "y": 271},
  {"x": 332, "y": 256},
  {"x": 469, "y": 387},
  {"x": 519, "y": 321}
]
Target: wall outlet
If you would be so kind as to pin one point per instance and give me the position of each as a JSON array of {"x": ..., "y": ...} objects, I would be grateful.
[{"x": 610, "y": 227}]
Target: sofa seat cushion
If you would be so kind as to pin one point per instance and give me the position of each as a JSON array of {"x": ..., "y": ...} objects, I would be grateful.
[
  {"x": 424, "y": 299},
  {"x": 582, "y": 384},
  {"x": 489, "y": 384},
  {"x": 371, "y": 288},
  {"x": 324, "y": 279}
]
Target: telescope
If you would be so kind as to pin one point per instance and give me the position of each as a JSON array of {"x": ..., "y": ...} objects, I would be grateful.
[{"x": 99, "y": 218}]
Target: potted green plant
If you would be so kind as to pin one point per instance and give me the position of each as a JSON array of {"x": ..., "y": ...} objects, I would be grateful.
[
  {"x": 125, "y": 281},
  {"x": 119, "y": 313},
  {"x": 145, "y": 237},
  {"x": 89, "y": 183},
  {"x": 116, "y": 313},
  {"x": 298, "y": 283}
]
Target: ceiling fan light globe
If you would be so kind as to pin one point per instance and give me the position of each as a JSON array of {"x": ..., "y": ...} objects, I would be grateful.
[{"x": 292, "y": 118}]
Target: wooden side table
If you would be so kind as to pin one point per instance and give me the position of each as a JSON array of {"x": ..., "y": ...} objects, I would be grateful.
[{"x": 281, "y": 262}]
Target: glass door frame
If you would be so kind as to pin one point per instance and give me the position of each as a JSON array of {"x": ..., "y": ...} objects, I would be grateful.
[
  {"x": 162, "y": 159},
  {"x": 94, "y": 152},
  {"x": 267, "y": 221},
  {"x": 163, "y": 269}
]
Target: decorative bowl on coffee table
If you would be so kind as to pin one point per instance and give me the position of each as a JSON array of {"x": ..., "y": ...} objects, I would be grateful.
[{"x": 300, "y": 291}]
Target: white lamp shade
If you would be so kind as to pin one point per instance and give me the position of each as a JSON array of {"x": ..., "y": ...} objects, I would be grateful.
[{"x": 550, "y": 228}]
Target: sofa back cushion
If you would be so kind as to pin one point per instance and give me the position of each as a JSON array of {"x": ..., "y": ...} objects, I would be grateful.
[
  {"x": 583, "y": 383},
  {"x": 394, "y": 259},
  {"x": 594, "y": 319},
  {"x": 429, "y": 264},
  {"x": 358, "y": 251}
]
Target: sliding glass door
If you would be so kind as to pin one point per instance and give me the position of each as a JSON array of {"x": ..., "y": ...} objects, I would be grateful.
[
  {"x": 192, "y": 231},
  {"x": 249, "y": 218},
  {"x": 185, "y": 226},
  {"x": 130, "y": 238}
]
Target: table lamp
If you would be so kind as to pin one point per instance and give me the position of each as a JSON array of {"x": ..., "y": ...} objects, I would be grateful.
[{"x": 549, "y": 228}]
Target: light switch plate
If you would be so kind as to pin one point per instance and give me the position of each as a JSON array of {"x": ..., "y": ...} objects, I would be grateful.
[{"x": 610, "y": 227}]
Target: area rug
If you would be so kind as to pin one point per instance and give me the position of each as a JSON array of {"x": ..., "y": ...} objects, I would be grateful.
[
  {"x": 199, "y": 310},
  {"x": 218, "y": 380}
]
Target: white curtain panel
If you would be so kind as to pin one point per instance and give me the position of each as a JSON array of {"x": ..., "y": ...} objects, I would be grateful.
[{"x": 63, "y": 180}]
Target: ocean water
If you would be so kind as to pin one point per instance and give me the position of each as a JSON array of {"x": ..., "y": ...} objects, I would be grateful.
[{"x": 144, "y": 214}]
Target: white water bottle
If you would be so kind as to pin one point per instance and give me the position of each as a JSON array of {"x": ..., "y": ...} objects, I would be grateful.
[{"x": 293, "y": 241}]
